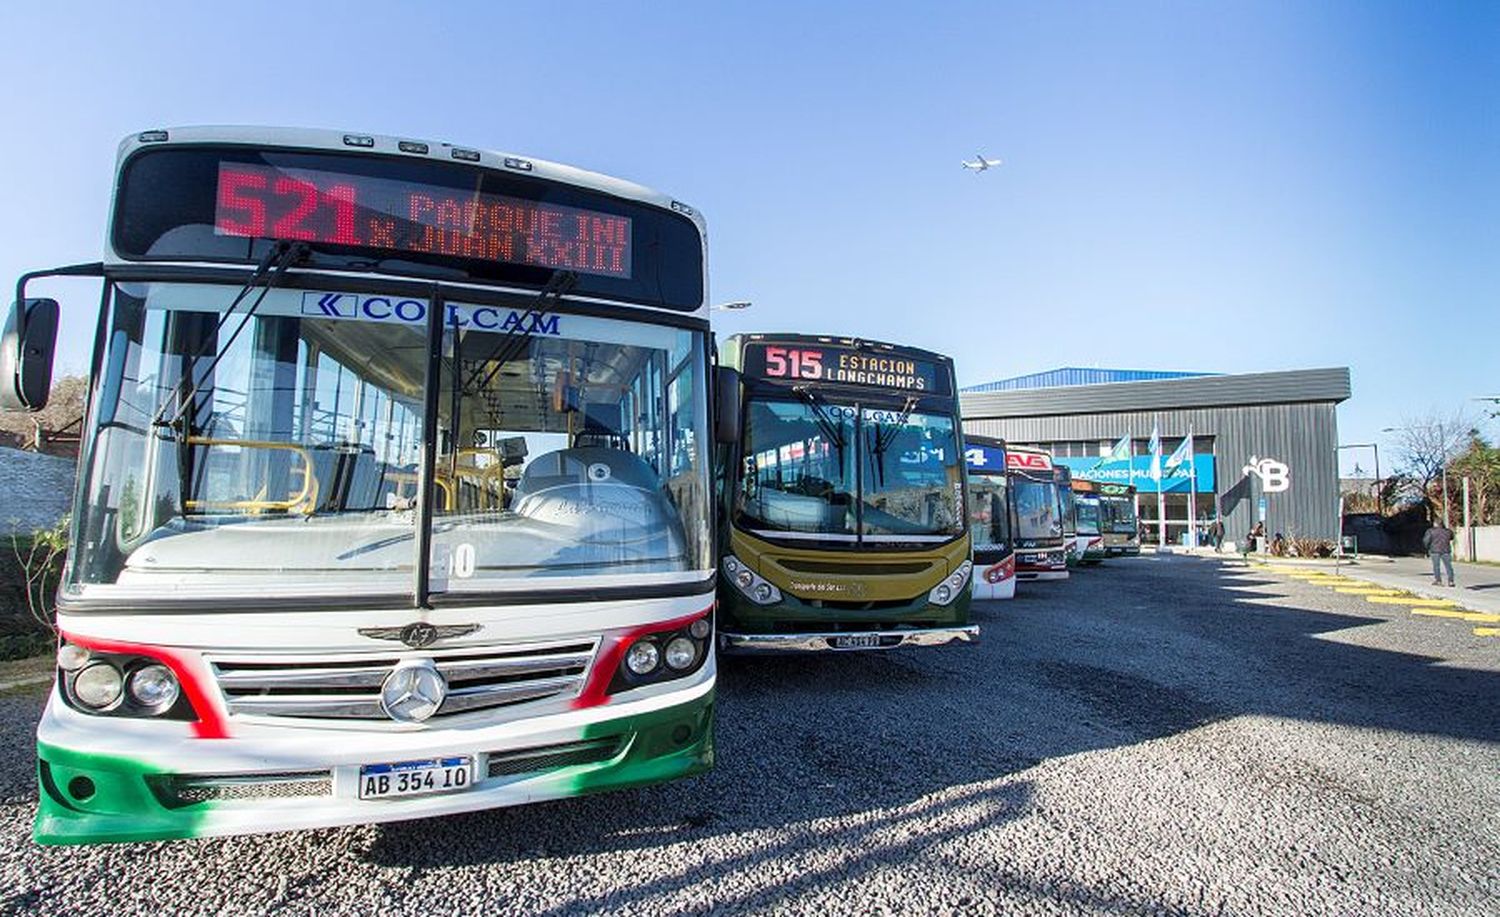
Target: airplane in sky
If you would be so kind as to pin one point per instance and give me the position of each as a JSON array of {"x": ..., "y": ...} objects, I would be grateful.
[{"x": 979, "y": 163}]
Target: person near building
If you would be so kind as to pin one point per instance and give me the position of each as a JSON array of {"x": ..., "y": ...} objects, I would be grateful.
[
  {"x": 1257, "y": 532},
  {"x": 1438, "y": 540},
  {"x": 1216, "y": 534}
]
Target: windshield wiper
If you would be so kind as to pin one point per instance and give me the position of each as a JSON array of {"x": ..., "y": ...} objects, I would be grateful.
[
  {"x": 820, "y": 413},
  {"x": 270, "y": 271},
  {"x": 513, "y": 340},
  {"x": 883, "y": 437}
]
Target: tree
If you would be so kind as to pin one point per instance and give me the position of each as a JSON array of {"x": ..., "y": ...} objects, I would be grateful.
[
  {"x": 54, "y": 429},
  {"x": 1425, "y": 446},
  {"x": 1480, "y": 463}
]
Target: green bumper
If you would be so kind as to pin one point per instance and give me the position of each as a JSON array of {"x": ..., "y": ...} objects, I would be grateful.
[{"x": 90, "y": 798}]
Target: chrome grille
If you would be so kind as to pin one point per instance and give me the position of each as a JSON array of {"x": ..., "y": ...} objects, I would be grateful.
[
  {"x": 175, "y": 791},
  {"x": 529, "y": 760},
  {"x": 349, "y": 687}
]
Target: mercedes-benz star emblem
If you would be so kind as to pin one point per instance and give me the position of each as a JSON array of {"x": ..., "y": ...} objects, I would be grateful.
[
  {"x": 413, "y": 691},
  {"x": 419, "y": 634}
]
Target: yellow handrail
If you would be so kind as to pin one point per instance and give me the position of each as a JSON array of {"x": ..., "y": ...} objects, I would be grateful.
[{"x": 304, "y": 502}]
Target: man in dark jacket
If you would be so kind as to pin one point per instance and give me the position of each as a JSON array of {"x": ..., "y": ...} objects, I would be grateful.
[{"x": 1438, "y": 540}]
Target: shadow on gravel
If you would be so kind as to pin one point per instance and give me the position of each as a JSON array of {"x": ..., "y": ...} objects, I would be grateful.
[{"x": 915, "y": 747}]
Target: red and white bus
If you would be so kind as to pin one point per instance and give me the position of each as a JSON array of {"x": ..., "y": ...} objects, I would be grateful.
[{"x": 394, "y": 499}]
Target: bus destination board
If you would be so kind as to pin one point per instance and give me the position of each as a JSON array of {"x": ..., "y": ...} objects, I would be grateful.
[
  {"x": 335, "y": 208},
  {"x": 846, "y": 366}
]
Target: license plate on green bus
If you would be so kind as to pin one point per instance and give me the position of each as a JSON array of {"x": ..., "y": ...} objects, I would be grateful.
[
  {"x": 856, "y": 642},
  {"x": 415, "y": 778}
]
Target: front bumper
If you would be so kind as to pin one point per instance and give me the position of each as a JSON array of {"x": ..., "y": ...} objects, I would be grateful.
[
  {"x": 200, "y": 788},
  {"x": 827, "y": 642}
]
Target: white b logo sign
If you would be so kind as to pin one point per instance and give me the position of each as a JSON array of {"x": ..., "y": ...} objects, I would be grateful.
[{"x": 1275, "y": 476}]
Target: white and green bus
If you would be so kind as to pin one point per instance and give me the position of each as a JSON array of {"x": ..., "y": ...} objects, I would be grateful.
[{"x": 394, "y": 499}]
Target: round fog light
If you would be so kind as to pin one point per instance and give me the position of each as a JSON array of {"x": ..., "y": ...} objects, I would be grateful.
[
  {"x": 763, "y": 592},
  {"x": 744, "y": 578},
  {"x": 731, "y": 565},
  {"x": 681, "y": 653},
  {"x": 71, "y": 657},
  {"x": 699, "y": 628},
  {"x": 642, "y": 657},
  {"x": 98, "y": 685},
  {"x": 944, "y": 593},
  {"x": 154, "y": 686}
]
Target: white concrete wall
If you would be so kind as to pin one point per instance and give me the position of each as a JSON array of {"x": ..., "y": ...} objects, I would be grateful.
[{"x": 1486, "y": 543}]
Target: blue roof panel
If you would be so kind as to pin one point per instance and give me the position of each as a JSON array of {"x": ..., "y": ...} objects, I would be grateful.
[{"x": 1073, "y": 375}]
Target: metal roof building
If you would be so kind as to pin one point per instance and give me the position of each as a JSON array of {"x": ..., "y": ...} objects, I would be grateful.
[
  {"x": 1264, "y": 444},
  {"x": 1073, "y": 375}
]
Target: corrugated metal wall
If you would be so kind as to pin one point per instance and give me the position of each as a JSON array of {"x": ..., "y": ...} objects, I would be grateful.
[{"x": 1304, "y": 436}]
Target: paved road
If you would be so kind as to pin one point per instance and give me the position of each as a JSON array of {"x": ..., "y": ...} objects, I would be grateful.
[{"x": 1164, "y": 735}]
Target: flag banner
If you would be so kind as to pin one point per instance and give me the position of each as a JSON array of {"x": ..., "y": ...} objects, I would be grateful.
[
  {"x": 1121, "y": 450},
  {"x": 1183, "y": 453},
  {"x": 1155, "y": 449}
]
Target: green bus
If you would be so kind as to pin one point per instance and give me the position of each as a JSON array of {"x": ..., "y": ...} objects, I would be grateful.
[
  {"x": 1118, "y": 520},
  {"x": 842, "y": 499}
]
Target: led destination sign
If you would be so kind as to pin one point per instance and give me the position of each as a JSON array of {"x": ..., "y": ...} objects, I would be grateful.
[
  {"x": 846, "y": 366},
  {"x": 264, "y": 202}
]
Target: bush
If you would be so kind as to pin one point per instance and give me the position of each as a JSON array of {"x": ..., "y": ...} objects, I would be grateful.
[{"x": 29, "y": 626}]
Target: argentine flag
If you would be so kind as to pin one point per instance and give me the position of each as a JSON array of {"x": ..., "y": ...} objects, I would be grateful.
[
  {"x": 1121, "y": 450},
  {"x": 1155, "y": 449}
]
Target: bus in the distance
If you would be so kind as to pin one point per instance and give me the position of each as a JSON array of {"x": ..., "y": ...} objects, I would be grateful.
[
  {"x": 990, "y": 518},
  {"x": 1041, "y": 551},
  {"x": 1087, "y": 519},
  {"x": 844, "y": 523},
  {"x": 1072, "y": 546},
  {"x": 1118, "y": 521},
  {"x": 394, "y": 496}
]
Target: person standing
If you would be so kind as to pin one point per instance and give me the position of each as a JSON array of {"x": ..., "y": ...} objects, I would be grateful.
[
  {"x": 1216, "y": 534},
  {"x": 1438, "y": 540}
]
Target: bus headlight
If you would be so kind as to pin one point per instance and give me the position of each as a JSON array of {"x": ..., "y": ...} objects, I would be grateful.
[
  {"x": 71, "y": 657},
  {"x": 751, "y": 585},
  {"x": 944, "y": 592},
  {"x": 153, "y": 686},
  {"x": 113, "y": 680},
  {"x": 681, "y": 653},
  {"x": 655, "y": 654},
  {"x": 642, "y": 657},
  {"x": 98, "y": 686}
]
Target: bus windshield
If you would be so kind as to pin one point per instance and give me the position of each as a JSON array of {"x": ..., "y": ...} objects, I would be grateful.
[
  {"x": 1036, "y": 509},
  {"x": 1086, "y": 510},
  {"x": 283, "y": 458},
  {"x": 839, "y": 471},
  {"x": 1118, "y": 515},
  {"x": 989, "y": 512}
]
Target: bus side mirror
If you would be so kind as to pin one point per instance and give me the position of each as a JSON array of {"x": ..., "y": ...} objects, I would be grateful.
[
  {"x": 26, "y": 350},
  {"x": 727, "y": 391}
]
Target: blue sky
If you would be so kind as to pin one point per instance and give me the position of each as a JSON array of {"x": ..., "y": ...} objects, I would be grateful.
[{"x": 1228, "y": 187}]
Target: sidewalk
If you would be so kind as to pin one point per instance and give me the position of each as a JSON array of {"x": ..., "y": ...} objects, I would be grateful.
[{"x": 1478, "y": 586}]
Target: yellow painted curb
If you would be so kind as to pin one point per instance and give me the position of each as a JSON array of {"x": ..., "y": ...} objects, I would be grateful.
[
  {"x": 1412, "y": 601},
  {"x": 1368, "y": 590},
  {"x": 1487, "y": 631},
  {"x": 1458, "y": 613}
]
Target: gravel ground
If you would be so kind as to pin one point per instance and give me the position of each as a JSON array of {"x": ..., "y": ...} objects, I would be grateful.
[{"x": 1164, "y": 735}]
